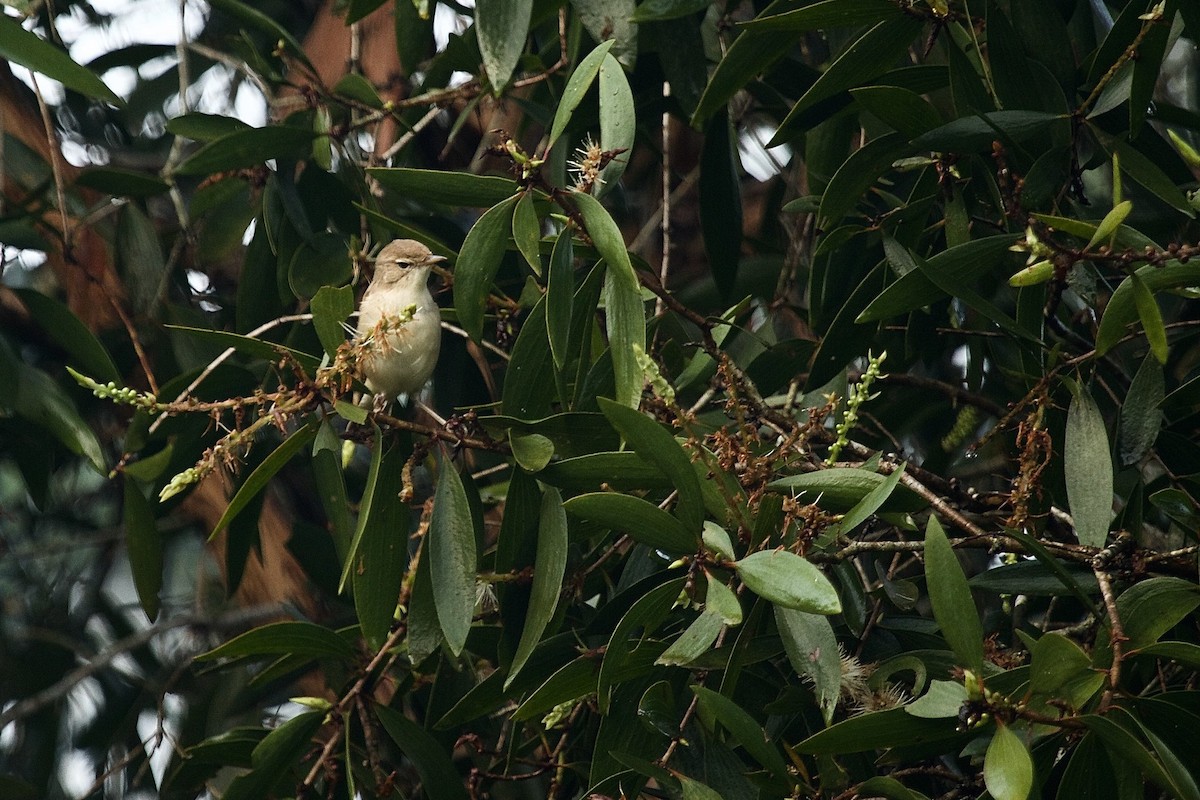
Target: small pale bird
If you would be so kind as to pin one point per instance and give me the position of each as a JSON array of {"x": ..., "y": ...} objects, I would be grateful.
[{"x": 402, "y": 351}]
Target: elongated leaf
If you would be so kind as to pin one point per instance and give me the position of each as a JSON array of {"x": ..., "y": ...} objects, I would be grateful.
[
  {"x": 205, "y": 127},
  {"x": 424, "y": 630},
  {"x": 953, "y": 607},
  {"x": 643, "y": 521},
  {"x": 696, "y": 640},
  {"x": 1088, "y": 467},
  {"x": 262, "y": 474},
  {"x": 643, "y": 617},
  {"x": 144, "y": 544},
  {"x": 618, "y": 121},
  {"x": 548, "y": 571},
  {"x": 1146, "y": 172},
  {"x": 255, "y": 348},
  {"x": 364, "y": 505},
  {"x": 969, "y": 134},
  {"x": 276, "y": 638},
  {"x": 1141, "y": 416},
  {"x": 382, "y": 553},
  {"x": 140, "y": 258},
  {"x": 30, "y": 51},
  {"x": 440, "y": 780},
  {"x": 1112, "y": 220},
  {"x": 872, "y": 502},
  {"x": 440, "y": 186},
  {"x": 622, "y": 299},
  {"x": 577, "y": 87},
  {"x": 85, "y": 351},
  {"x": 526, "y": 231},
  {"x": 1122, "y": 310},
  {"x": 502, "y": 26},
  {"x": 903, "y": 109},
  {"x": 843, "y": 488},
  {"x": 826, "y": 14},
  {"x": 812, "y": 651},
  {"x": 610, "y": 19},
  {"x": 654, "y": 444},
  {"x": 273, "y": 756},
  {"x": 723, "y": 602},
  {"x": 1151, "y": 317},
  {"x": 266, "y": 24},
  {"x": 251, "y": 147},
  {"x": 331, "y": 487},
  {"x": 878, "y": 729},
  {"x": 452, "y": 557},
  {"x": 721, "y": 203},
  {"x": 1007, "y": 767},
  {"x": 749, "y": 734},
  {"x": 560, "y": 289},
  {"x": 944, "y": 699},
  {"x": 869, "y": 56},
  {"x": 789, "y": 580},
  {"x": 330, "y": 308},
  {"x": 477, "y": 264},
  {"x": 857, "y": 175}
]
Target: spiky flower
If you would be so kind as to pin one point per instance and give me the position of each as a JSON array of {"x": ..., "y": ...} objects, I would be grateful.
[{"x": 589, "y": 160}]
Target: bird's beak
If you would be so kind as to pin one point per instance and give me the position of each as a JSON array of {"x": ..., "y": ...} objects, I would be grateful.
[{"x": 432, "y": 259}]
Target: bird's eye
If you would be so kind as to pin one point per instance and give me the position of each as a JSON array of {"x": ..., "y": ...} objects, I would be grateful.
[{"x": 403, "y": 263}]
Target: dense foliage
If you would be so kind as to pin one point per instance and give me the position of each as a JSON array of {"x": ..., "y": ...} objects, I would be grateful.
[{"x": 874, "y": 476}]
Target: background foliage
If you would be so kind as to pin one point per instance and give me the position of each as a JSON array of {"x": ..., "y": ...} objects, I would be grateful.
[{"x": 891, "y": 491}]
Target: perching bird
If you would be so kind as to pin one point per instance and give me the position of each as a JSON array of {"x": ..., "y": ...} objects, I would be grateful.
[{"x": 402, "y": 352}]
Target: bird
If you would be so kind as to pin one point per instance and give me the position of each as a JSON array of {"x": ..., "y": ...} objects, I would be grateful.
[{"x": 399, "y": 322}]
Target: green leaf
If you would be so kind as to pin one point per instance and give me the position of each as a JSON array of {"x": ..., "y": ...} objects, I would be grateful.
[
  {"x": 826, "y": 14},
  {"x": 618, "y": 120},
  {"x": 1122, "y": 744},
  {"x": 695, "y": 790},
  {"x": 205, "y": 127},
  {"x": 971, "y": 134},
  {"x": 1151, "y": 317},
  {"x": 85, "y": 351},
  {"x": 788, "y": 580},
  {"x": 610, "y": 20},
  {"x": 330, "y": 308},
  {"x": 618, "y": 470},
  {"x": 502, "y": 26},
  {"x": 1088, "y": 468},
  {"x": 905, "y": 110},
  {"x": 439, "y": 778},
  {"x": 653, "y": 443},
  {"x": 424, "y": 630},
  {"x": 144, "y": 545},
  {"x": 643, "y": 521},
  {"x": 477, "y": 264},
  {"x": 251, "y": 147},
  {"x": 576, "y": 89},
  {"x": 1141, "y": 417},
  {"x": 1142, "y": 169},
  {"x": 871, "y": 502},
  {"x": 876, "y": 730},
  {"x": 1060, "y": 670},
  {"x": 722, "y": 601},
  {"x": 1007, "y": 767},
  {"x": 274, "y": 755},
  {"x": 452, "y": 557},
  {"x": 749, "y": 734},
  {"x": 943, "y": 699},
  {"x": 331, "y": 486},
  {"x": 695, "y": 641},
  {"x": 262, "y": 474},
  {"x": 382, "y": 553},
  {"x": 532, "y": 451},
  {"x": 844, "y": 488},
  {"x": 526, "y": 231},
  {"x": 122, "y": 182},
  {"x": 812, "y": 651},
  {"x": 1111, "y": 222},
  {"x": 868, "y": 57},
  {"x": 622, "y": 298},
  {"x": 560, "y": 289},
  {"x": 140, "y": 259},
  {"x": 445, "y": 186},
  {"x": 659, "y": 10},
  {"x": 857, "y": 174},
  {"x": 39, "y": 400},
  {"x": 953, "y": 607},
  {"x": 1035, "y": 579},
  {"x": 548, "y": 571},
  {"x": 279, "y": 638},
  {"x": 643, "y": 618},
  {"x": 29, "y": 50},
  {"x": 1122, "y": 309},
  {"x": 721, "y": 203},
  {"x": 524, "y": 394},
  {"x": 1148, "y": 610},
  {"x": 267, "y": 25}
]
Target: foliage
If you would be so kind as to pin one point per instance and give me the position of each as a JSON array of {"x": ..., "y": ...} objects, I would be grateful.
[{"x": 685, "y": 540}]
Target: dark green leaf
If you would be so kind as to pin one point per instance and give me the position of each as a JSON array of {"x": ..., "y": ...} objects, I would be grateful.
[
  {"x": 903, "y": 109},
  {"x": 502, "y": 26},
  {"x": 943, "y": 699},
  {"x": 27, "y": 49},
  {"x": 1141, "y": 417},
  {"x": 477, "y": 263},
  {"x": 871, "y": 502},
  {"x": 560, "y": 289},
  {"x": 658, "y": 10},
  {"x": 266, "y": 24},
  {"x": 255, "y": 348},
  {"x": 857, "y": 175},
  {"x": 548, "y": 571},
  {"x": 331, "y": 307},
  {"x": 452, "y": 557},
  {"x": 875, "y": 730},
  {"x": 526, "y": 231},
  {"x": 749, "y": 734},
  {"x": 41, "y": 401},
  {"x": 439, "y": 778},
  {"x": 812, "y": 650},
  {"x": 695, "y": 640},
  {"x": 84, "y": 349},
  {"x": 971, "y": 134},
  {"x": 122, "y": 182},
  {"x": 251, "y": 147},
  {"x": 274, "y": 755},
  {"x": 144, "y": 544},
  {"x": 1151, "y": 317},
  {"x": 382, "y": 552},
  {"x": 721, "y": 203},
  {"x": 442, "y": 186},
  {"x": 1089, "y": 473},
  {"x": 277, "y": 638},
  {"x": 843, "y": 488},
  {"x": 643, "y": 521},
  {"x": 139, "y": 256},
  {"x": 205, "y": 127},
  {"x": 577, "y": 87},
  {"x": 257, "y": 480},
  {"x": 826, "y": 14},
  {"x": 618, "y": 121},
  {"x": 953, "y": 607},
  {"x": 654, "y": 444}
]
